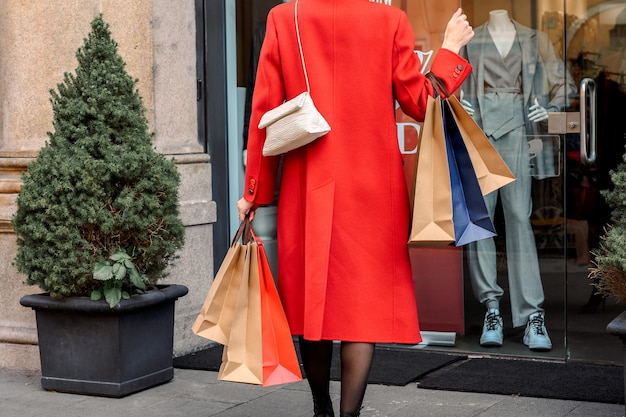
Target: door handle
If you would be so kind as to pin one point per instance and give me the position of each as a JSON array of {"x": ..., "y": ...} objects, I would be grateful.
[
  {"x": 561, "y": 123},
  {"x": 588, "y": 142}
]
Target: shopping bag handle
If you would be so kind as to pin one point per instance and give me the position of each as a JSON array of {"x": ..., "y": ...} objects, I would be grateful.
[
  {"x": 438, "y": 85},
  {"x": 244, "y": 232}
]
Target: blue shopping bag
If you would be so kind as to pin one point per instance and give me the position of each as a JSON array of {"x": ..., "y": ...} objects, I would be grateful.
[{"x": 469, "y": 212}]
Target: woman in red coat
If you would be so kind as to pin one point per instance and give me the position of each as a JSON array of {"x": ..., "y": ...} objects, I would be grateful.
[{"x": 343, "y": 207}]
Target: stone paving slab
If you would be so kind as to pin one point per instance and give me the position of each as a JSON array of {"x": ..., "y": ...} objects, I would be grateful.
[{"x": 199, "y": 394}]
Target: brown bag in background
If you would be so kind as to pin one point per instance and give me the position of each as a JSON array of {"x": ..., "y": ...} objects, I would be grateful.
[
  {"x": 432, "y": 199},
  {"x": 215, "y": 318},
  {"x": 242, "y": 360},
  {"x": 491, "y": 171}
]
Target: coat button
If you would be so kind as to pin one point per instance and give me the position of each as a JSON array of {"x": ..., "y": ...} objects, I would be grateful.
[
  {"x": 252, "y": 186},
  {"x": 459, "y": 67}
]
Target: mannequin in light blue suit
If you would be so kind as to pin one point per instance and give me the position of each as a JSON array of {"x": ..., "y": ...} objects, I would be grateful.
[{"x": 517, "y": 79}]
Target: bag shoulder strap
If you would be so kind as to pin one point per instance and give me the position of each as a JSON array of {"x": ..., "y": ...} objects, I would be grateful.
[{"x": 306, "y": 76}]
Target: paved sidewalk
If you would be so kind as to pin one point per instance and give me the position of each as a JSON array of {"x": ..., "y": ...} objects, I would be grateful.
[{"x": 199, "y": 394}]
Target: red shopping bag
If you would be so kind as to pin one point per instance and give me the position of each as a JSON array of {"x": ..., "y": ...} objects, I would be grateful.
[{"x": 280, "y": 362}]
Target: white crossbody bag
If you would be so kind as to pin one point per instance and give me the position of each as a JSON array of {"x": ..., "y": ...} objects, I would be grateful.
[{"x": 296, "y": 122}]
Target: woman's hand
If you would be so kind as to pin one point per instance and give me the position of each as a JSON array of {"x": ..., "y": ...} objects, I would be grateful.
[
  {"x": 458, "y": 32},
  {"x": 244, "y": 207}
]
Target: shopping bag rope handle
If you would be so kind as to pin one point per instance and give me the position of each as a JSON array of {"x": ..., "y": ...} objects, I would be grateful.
[
  {"x": 438, "y": 85},
  {"x": 244, "y": 232}
]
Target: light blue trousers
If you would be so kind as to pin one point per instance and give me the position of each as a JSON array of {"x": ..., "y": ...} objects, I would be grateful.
[{"x": 525, "y": 287}]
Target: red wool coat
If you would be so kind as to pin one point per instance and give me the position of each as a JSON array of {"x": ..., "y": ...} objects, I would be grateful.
[{"x": 343, "y": 207}]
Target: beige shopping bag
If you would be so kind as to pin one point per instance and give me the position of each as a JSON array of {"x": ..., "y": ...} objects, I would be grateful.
[
  {"x": 491, "y": 170},
  {"x": 242, "y": 359},
  {"x": 215, "y": 318},
  {"x": 432, "y": 195}
]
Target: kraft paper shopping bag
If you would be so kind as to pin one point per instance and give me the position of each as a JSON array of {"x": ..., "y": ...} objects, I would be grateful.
[
  {"x": 491, "y": 170},
  {"x": 215, "y": 318},
  {"x": 432, "y": 223},
  {"x": 243, "y": 357}
]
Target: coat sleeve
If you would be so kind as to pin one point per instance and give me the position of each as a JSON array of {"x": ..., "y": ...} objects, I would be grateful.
[
  {"x": 269, "y": 92},
  {"x": 411, "y": 87}
]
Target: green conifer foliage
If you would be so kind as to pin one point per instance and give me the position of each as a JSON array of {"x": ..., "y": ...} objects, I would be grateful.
[
  {"x": 98, "y": 186},
  {"x": 609, "y": 271}
]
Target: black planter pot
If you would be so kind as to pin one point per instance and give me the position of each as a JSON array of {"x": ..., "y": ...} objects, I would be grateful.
[
  {"x": 88, "y": 348},
  {"x": 617, "y": 327}
]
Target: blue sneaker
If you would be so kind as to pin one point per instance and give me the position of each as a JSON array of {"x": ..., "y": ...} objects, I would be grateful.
[
  {"x": 536, "y": 336},
  {"x": 492, "y": 329}
]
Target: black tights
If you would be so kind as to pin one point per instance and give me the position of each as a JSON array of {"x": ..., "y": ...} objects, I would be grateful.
[{"x": 356, "y": 360}]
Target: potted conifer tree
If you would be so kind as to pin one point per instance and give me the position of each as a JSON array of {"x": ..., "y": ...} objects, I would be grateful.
[
  {"x": 97, "y": 224},
  {"x": 608, "y": 273}
]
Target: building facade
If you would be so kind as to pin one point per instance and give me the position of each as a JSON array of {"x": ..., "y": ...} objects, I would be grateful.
[
  {"x": 157, "y": 39},
  {"x": 192, "y": 59}
]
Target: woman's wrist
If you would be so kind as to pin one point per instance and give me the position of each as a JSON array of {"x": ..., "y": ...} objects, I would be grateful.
[{"x": 450, "y": 47}]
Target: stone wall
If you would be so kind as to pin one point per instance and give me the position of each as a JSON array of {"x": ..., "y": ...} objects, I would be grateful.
[{"x": 38, "y": 42}]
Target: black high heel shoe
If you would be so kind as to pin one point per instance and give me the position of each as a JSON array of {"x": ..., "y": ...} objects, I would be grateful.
[
  {"x": 593, "y": 304},
  {"x": 323, "y": 409}
]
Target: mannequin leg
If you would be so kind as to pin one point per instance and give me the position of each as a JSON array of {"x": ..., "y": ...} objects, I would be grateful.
[
  {"x": 482, "y": 263},
  {"x": 316, "y": 358},
  {"x": 356, "y": 361},
  {"x": 525, "y": 285}
]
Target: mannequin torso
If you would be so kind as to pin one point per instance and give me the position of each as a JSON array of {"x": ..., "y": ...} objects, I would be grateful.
[{"x": 502, "y": 31}]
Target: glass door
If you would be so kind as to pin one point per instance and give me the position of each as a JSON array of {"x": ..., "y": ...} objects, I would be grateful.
[
  {"x": 515, "y": 284},
  {"x": 546, "y": 74},
  {"x": 595, "y": 51}
]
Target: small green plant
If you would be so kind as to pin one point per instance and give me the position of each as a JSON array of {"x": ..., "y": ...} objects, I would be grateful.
[
  {"x": 119, "y": 275},
  {"x": 99, "y": 198}
]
